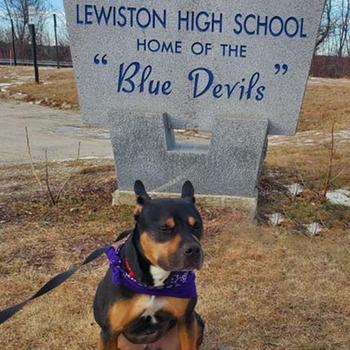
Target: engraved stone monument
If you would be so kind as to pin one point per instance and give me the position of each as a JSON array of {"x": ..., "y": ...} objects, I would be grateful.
[{"x": 235, "y": 69}]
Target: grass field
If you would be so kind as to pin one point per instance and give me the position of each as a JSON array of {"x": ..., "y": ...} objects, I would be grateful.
[
  {"x": 262, "y": 287},
  {"x": 57, "y": 87}
]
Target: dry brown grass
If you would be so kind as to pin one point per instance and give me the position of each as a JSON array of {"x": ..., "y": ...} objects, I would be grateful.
[
  {"x": 307, "y": 165},
  {"x": 260, "y": 288},
  {"x": 56, "y": 89},
  {"x": 304, "y": 159},
  {"x": 326, "y": 99}
]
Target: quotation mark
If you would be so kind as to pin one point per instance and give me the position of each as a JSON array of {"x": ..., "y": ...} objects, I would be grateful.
[
  {"x": 281, "y": 68},
  {"x": 103, "y": 59}
]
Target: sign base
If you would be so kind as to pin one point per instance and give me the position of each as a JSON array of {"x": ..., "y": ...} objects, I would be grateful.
[
  {"x": 246, "y": 204},
  {"x": 224, "y": 170},
  {"x": 146, "y": 148}
]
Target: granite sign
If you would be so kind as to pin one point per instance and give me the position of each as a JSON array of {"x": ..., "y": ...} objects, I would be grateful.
[{"x": 193, "y": 64}]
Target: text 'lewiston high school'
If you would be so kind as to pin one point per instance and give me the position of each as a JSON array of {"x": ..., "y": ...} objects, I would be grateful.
[{"x": 249, "y": 24}]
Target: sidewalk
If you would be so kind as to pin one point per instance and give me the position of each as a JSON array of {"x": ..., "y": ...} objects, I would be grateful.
[{"x": 57, "y": 131}]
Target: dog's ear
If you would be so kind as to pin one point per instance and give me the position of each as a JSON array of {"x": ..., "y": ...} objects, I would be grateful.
[
  {"x": 188, "y": 191},
  {"x": 141, "y": 196}
]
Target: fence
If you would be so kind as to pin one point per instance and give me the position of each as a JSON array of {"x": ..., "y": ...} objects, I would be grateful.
[{"x": 45, "y": 53}]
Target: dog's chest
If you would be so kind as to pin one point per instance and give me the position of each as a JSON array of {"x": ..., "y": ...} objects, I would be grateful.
[
  {"x": 159, "y": 275},
  {"x": 155, "y": 304},
  {"x": 153, "y": 321},
  {"x": 157, "y": 314},
  {"x": 152, "y": 306}
]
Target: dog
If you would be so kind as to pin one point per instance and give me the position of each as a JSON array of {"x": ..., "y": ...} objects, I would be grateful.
[{"x": 147, "y": 298}]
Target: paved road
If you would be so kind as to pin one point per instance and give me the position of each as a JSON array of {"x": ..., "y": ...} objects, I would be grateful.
[{"x": 57, "y": 131}]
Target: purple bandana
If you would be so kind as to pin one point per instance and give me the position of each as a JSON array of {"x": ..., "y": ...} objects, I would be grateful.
[{"x": 180, "y": 285}]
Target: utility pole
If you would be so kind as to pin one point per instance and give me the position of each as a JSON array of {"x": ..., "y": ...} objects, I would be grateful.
[
  {"x": 30, "y": 15},
  {"x": 13, "y": 42},
  {"x": 35, "y": 58},
  {"x": 55, "y": 28}
]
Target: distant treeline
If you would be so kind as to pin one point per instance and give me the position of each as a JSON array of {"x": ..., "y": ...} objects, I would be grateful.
[
  {"x": 330, "y": 67},
  {"x": 44, "y": 52}
]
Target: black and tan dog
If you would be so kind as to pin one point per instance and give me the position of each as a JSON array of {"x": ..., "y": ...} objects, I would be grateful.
[{"x": 166, "y": 238}]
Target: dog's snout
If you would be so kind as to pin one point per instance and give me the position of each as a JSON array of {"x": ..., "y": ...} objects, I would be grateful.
[{"x": 192, "y": 249}]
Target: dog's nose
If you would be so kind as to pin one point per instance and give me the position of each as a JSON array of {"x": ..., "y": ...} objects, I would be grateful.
[{"x": 192, "y": 249}]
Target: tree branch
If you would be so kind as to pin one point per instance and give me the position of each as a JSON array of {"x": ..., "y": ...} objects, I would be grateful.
[{"x": 31, "y": 159}]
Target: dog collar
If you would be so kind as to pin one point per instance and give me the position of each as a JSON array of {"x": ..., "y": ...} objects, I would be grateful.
[{"x": 179, "y": 285}]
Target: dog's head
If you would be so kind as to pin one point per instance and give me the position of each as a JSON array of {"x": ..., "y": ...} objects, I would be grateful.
[{"x": 170, "y": 229}]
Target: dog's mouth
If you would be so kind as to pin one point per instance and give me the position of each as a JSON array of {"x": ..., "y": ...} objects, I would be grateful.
[
  {"x": 196, "y": 266},
  {"x": 182, "y": 263}
]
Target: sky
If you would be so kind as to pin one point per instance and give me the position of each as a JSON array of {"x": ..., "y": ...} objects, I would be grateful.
[{"x": 57, "y": 4}]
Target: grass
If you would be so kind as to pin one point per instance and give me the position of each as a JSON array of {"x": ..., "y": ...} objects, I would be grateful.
[
  {"x": 324, "y": 100},
  {"x": 261, "y": 287},
  {"x": 307, "y": 166},
  {"x": 56, "y": 88}
]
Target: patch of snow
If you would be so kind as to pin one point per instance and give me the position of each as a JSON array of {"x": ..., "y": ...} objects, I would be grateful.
[
  {"x": 6, "y": 85},
  {"x": 295, "y": 189},
  {"x": 84, "y": 158},
  {"x": 274, "y": 173},
  {"x": 339, "y": 197},
  {"x": 65, "y": 105},
  {"x": 314, "y": 229},
  {"x": 308, "y": 141},
  {"x": 276, "y": 219},
  {"x": 19, "y": 96},
  {"x": 344, "y": 134}
]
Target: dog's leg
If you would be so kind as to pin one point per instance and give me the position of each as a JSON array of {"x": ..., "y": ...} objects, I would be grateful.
[
  {"x": 108, "y": 342},
  {"x": 119, "y": 315},
  {"x": 201, "y": 328},
  {"x": 189, "y": 333}
]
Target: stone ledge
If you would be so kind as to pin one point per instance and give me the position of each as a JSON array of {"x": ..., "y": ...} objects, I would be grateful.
[{"x": 248, "y": 204}]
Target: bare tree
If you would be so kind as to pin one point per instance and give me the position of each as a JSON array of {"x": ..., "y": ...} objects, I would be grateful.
[
  {"x": 62, "y": 29},
  {"x": 5, "y": 35},
  {"x": 17, "y": 10},
  {"x": 343, "y": 34},
  {"x": 326, "y": 24}
]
